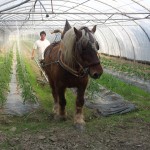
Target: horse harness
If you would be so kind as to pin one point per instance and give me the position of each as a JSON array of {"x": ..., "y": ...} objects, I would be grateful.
[{"x": 82, "y": 71}]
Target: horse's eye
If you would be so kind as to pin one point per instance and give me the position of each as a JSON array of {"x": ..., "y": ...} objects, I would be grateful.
[{"x": 97, "y": 45}]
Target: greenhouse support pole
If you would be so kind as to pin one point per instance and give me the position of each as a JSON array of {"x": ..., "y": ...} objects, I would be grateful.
[{"x": 18, "y": 34}]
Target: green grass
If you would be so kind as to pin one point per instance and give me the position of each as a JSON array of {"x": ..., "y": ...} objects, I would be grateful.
[
  {"x": 44, "y": 92},
  {"x": 128, "y": 91}
]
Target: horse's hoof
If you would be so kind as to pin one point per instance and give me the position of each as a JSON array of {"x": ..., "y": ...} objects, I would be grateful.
[{"x": 79, "y": 127}]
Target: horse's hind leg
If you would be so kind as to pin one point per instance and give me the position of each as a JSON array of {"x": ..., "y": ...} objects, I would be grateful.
[
  {"x": 55, "y": 96},
  {"x": 56, "y": 103},
  {"x": 62, "y": 103},
  {"x": 59, "y": 102},
  {"x": 79, "y": 118}
]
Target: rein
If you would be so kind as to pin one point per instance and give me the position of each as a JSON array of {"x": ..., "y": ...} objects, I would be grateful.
[{"x": 53, "y": 62}]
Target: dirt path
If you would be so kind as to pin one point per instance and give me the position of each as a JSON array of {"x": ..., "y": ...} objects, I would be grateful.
[
  {"x": 133, "y": 136},
  {"x": 14, "y": 103}
]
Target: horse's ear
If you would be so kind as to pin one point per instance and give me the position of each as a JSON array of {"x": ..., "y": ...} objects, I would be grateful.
[
  {"x": 94, "y": 29},
  {"x": 78, "y": 33},
  {"x": 66, "y": 28},
  {"x": 68, "y": 24}
]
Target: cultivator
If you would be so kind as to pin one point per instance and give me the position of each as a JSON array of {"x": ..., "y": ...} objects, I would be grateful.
[{"x": 42, "y": 72}]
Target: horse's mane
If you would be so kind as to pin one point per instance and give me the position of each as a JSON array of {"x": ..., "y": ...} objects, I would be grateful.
[{"x": 68, "y": 42}]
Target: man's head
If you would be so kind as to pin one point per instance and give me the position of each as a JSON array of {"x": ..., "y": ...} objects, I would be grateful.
[{"x": 42, "y": 35}]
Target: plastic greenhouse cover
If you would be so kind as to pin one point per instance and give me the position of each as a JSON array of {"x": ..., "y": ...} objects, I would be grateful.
[{"x": 122, "y": 25}]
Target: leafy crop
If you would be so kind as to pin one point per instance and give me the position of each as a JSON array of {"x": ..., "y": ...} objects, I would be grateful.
[
  {"x": 24, "y": 81},
  {"x": 5, "y": 72},
  {"x": 131, "y": 68}
]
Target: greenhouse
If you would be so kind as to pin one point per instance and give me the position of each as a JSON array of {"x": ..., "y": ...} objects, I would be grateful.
[{"x": 75, "y": 74}]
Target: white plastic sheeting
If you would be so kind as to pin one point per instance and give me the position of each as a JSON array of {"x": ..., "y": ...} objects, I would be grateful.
[
  {"x": 1, "y": 37},
  {"x": 122, "y": 25},
  {"x": 125, "y": 41}
]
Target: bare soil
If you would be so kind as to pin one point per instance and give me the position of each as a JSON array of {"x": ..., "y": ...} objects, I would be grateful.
[{"x": 119, "y": 137}]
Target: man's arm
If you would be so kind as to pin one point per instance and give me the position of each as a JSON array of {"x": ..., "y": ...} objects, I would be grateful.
[
  {"x": 33, "y": 50},
  {"x": 32, "y": 55}
]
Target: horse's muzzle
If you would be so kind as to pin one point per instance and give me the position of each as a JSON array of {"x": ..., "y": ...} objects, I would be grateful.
[{"x": 95, "y": 73}]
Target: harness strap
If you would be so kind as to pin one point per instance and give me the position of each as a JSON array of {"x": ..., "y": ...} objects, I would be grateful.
[
  {"x": 81, "y": 73},
  {"x": 97, "y": 63},
  {"x": 53, "y": 62},
  {"x": 83, "y": 70}
]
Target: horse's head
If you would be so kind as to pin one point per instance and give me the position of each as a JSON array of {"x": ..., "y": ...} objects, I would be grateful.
[{"x": 86, "y": 48}]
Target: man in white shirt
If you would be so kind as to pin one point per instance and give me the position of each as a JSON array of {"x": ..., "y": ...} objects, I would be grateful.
[{"x": 40, "y": 46}]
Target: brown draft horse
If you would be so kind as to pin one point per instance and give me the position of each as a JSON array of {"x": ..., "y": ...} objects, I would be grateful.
[{"x": 68, "y": 64}]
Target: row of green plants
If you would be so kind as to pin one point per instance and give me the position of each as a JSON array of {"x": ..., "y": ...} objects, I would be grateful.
[
  {"x": 131, "y": 68},
  {"x": 128, "y": 91},
  {"x": 5, "y": 74},
  {"x": 24, "y": 81}
]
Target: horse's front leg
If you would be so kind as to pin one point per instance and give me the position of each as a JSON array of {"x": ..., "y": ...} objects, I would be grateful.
[{"x": 79, "y": 117}]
